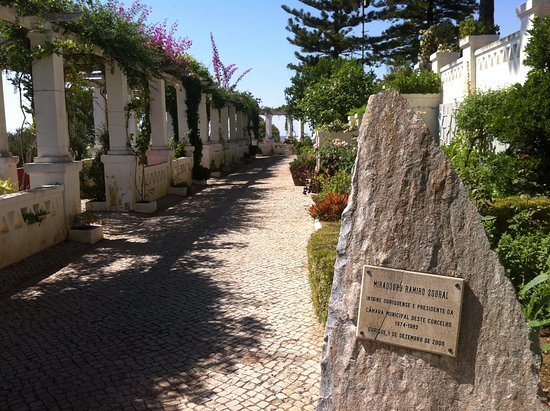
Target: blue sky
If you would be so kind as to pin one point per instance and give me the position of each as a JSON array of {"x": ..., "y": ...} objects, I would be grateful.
[{"x": 250, "y": 34}]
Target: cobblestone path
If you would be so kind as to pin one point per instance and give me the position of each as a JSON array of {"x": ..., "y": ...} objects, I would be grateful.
[{"x": 204, "y": 305}]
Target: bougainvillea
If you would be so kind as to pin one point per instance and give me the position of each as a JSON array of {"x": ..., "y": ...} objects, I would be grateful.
[{"x": 223, "y": 73}]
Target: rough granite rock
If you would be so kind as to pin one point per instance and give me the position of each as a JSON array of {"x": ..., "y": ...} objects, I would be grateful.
[{"x": 408, "y": 210}]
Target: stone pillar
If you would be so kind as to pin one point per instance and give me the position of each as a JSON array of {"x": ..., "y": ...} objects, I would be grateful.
[
  {"x": 246, "y": 127},
  {"x": 215, "y": 125},
  {"x": 183, "y": 127},
  {"x": 203, "y": 120},
  {"x": 54, "y": 164},
  {"x": 100, "y": 115},
  {"x": 117, "y": 100},
  {"x": 232, "y": 123},
  {"x": 469, "y": 45},
  {"x": 224, "y": 127},
  {"x": 301, "y": 133},
  {"x": 442, "y": 58},
  {"x": 8, "y": 163},
  {"x": 289, "y": 126},
  {"x": 160, "y": 151},
  {"x": 269, "y": 127},
  {"x": 239, "y": 125},
  {"x": 120, "y": 164}
]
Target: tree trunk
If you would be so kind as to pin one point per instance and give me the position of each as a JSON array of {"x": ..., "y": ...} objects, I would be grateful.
[{"x": 487, "y": 11}]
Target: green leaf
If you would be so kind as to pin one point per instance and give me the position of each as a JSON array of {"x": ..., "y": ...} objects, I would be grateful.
[
  {"x": 534, "y": 282},
  {"x": 539, "y": 323}
]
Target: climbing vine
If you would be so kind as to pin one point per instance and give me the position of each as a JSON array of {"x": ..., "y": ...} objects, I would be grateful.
[{"x": 193, "y": 90}]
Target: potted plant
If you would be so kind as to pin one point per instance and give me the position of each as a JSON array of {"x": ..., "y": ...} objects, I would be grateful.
[{"x": 86, "y": 228}]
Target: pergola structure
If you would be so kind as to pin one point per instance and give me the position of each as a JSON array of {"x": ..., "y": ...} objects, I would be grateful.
[
  {"x": 54, "y": 175},
  {"x": 268, "y": 113}
]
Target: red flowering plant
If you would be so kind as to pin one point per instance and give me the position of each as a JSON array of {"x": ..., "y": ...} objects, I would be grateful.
[{"x": 330, "y": 208}]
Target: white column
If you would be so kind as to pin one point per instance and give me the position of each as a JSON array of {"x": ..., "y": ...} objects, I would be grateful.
[
  {"x": 160, "y": 151},
  {"x": 246, "y": 127},
  {"x": 232, "y": 122},
  {"x": 289, "y": 126},
  {"x": 269, "y": 127},
  {"x": 8, "y": 163},
  {"x": 215, "y": 125},
  {"x": 239, "y": 125},
  {"x": 224, "y": 127},
  {"x": 100, "y": 114},
  {"x": 117, "y": 100},
  {"x": 52, "y": 133},
  {"x": 181, "y": 95},
  {"x": 301, "y": 130},
  {"x": 53, "y": 165},
  {"x": 469, "y": 45},
  {"x": 203, "y": 119},
  {"x": 120, "y": 164}
]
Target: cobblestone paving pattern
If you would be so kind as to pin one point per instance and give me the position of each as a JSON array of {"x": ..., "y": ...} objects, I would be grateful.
[{"x": 203, "y": 306}]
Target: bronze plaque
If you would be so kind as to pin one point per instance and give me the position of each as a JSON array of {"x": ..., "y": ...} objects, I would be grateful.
[{"x": 410, "y": 309}]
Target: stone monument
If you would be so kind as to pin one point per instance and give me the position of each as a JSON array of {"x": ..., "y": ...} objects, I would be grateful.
[{"x": 412, "y": 232}]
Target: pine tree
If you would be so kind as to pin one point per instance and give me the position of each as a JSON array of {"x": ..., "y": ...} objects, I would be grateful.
[
  {"x": 399, "y": 44},
  {"x": 326, "y": 30},
  {"x": 487, "y": 12}
]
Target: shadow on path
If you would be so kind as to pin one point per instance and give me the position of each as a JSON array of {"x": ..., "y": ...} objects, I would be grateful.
[{"x": 134, "y": 320}]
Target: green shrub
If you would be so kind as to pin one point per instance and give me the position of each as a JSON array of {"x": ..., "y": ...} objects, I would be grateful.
[
  {"x": 200, "y": 172},
  {"x": 518, "y": 116},
  {"x": 304, "y": 146},
  {"x": 512, "y": 213},
  {"x": 524, "y": 256},
  {"x": 409, "y": 82},
  {"x": 535, "y": 299},
  {"x": 92, "y": 179},
  {"x": 321, "y": 251},
  {"x": 337, "y": 155},
  {"x": 489, "y": 175},
  {"x": 472, "y": 27},
  {"x": 329, "y": 208},
  {"x": 519, "y": 230},
  {"x": 339, "y": 183}
]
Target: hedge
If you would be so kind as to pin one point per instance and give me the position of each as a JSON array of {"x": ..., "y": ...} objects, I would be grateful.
[{"x": 321, "y": 251}]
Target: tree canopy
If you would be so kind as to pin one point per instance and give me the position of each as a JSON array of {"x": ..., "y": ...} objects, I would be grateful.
[
  {"x": 399, "y": 44},
  {"x": 327, "y": 30},
  {"x": 323, "y": 94}
]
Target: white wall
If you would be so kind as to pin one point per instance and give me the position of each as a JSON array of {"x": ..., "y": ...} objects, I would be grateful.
[{"x": 486, "y": 63}]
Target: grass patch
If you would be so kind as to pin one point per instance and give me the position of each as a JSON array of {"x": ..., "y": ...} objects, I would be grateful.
[{"x": 321, "y": 252}]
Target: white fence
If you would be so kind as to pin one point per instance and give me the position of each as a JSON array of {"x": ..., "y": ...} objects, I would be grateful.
[
  {"x": 487, "y": 62},
  {"x": 21, "y": 234},
  {"x": 157, "y": 181},
  {"x": 182, "y": 171}
]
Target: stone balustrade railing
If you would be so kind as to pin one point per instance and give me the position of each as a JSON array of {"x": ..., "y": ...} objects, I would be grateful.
[
  {"x": 486, "y": 62},
  {"x": 21, "y": 232},
  {"x": 157, "y": 180},
  {"x": 454, "y": 81},
  {"x": 182, "y": 171},
  {"x": 499, "y": 64}
]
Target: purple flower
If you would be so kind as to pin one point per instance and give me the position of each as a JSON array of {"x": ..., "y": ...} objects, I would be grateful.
[{"x": 222, "y": 73}]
